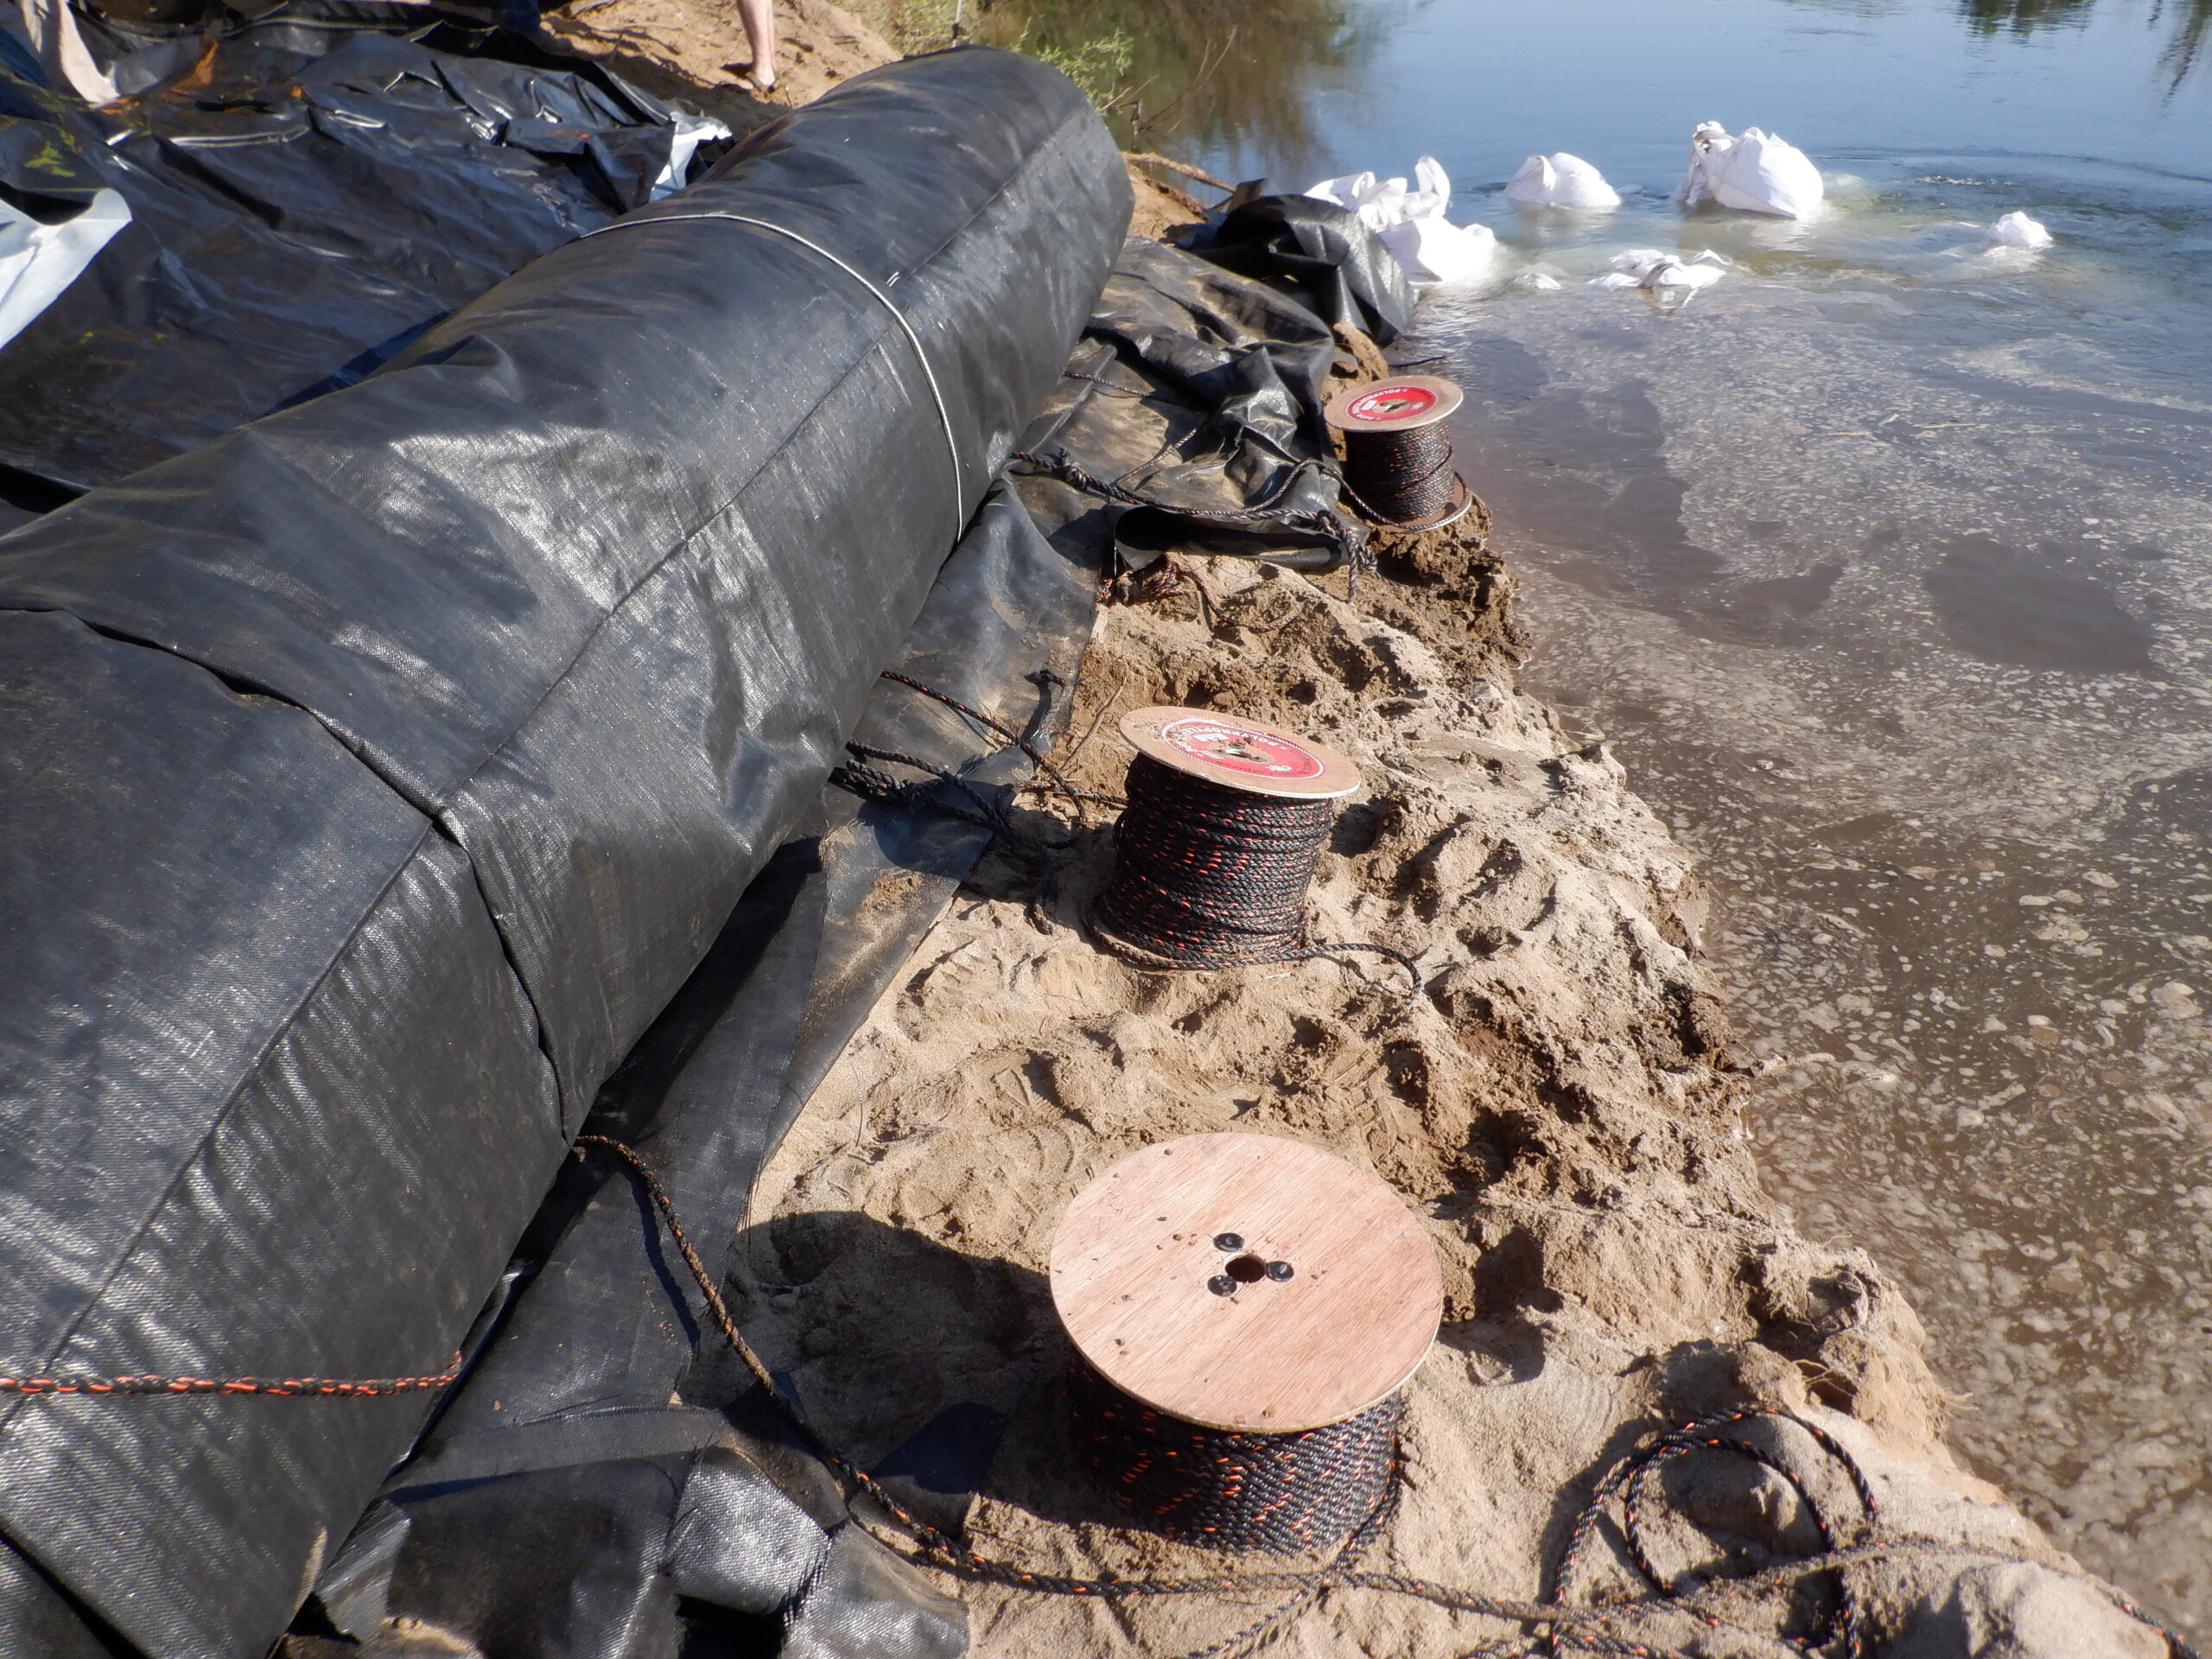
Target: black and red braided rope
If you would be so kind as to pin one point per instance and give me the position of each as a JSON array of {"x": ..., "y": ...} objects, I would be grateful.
[
  {"x": 1206, "y": 876},
  {"x": 1283, "y": 1493},
  {"x": 1403, "y": 477},
  {"x": 317, "y": 1387}
]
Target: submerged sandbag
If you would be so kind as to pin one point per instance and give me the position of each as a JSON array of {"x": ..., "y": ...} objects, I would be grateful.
[{"x": 379, "y": 771}]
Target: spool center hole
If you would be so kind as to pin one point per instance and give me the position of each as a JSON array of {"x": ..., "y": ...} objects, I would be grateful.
[{"x": 1247, "y": 1269}]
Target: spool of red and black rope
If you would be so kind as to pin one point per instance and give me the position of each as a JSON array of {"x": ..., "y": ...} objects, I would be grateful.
[
  {"x": 1398, "y": 463},
  {"x": 1245, "y": 1310},
  {"x": 1214, "y": 851},
  {"x": 1286, "y": 1494}
]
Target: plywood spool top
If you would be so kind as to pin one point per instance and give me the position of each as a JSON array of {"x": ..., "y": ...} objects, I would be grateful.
[
  {"x": 1138, "y": 1248},
  {"x": 1239, "y": 753},
  {"x": 1402, "y": 402}
]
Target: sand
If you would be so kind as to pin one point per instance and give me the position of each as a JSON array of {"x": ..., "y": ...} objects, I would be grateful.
[
  {"x": 1559, "y": 1106},
  {"x": 696, "y": 51}
]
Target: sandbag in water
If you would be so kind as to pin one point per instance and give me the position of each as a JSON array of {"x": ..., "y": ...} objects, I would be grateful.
[
  {"x": 1411, "y": 222},
  {"x": 1560, "y": 180},
  {"x": 1655, "y": 267},
  {"x": 2017, "y": 229},
  {"x": 1434, "y": 250},
  {"x": 1754, "y": 173}
]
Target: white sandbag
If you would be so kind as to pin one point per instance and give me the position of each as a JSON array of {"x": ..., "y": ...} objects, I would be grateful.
[
  {"x": 37, "y": 261},
  {"x": 1432, "y": 250},
  {"x": 1346, "y": 193},
  {"x": 1676, "y": 274},
  {"x": 1431, "y": 192},
  {"x": 1538, "y": 282},
  {"x": 1753, "y": 173},
  {"x": 1410, "y": 223},
  {"x": 1560, "y": 180},
  {"x": 1385, "y": 205},
  {"x": 1380, "y": 203},
  {"x": 1656, "y": 268},
  {"x": 2017, "y": 229}
]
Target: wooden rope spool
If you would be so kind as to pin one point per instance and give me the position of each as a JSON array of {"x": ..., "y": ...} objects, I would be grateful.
[
  {"x": 1398, "y": 452},
  {"x": 1245, "y": 1310},
  {"x": 1214, "y": 851},
  {"x": 1236, "y": 752}
]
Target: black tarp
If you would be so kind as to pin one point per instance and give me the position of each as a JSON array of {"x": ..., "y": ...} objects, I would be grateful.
[
  {"x": 597, "y": 1488},
  {"x": 1194, "y": 408},
  {"x": 1316, "y": 253},
  {"x": 377, "y": 773},
  {"x": 303, "y": 188}
]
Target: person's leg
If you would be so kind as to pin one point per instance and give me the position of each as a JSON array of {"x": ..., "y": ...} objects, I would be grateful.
[{"x": 761, "y": 30}]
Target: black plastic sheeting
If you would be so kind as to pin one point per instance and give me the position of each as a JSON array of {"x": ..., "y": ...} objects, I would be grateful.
[
  {"x": 1195, "y": 408},
  {"x": 1316, "y": 253},
  {"x": 312, "y": 190},
  {"x": 608, "y": 1483},
  {"x": 379, "y": 772}
]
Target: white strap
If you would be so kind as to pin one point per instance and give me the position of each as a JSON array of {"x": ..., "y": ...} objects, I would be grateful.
[{"x": 943, "y": 415}]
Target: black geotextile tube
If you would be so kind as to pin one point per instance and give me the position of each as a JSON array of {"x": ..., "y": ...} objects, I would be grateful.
[
  {"x": 589, "y": 1493},
  {"x": 376, "y": 774}
]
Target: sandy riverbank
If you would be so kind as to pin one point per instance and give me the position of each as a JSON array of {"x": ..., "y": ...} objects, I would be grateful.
[{"x": 1560, "y": 1106}]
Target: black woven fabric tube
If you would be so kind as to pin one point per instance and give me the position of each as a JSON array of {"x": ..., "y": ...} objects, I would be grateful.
[
  {"x": 1403, "y": 477},
  {"x": 1282, "y": 1493}
]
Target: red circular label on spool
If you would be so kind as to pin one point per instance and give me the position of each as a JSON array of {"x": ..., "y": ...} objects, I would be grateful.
[
  {"x": 1238, "y": 748},
  {"x": 1391, "y": 403}
]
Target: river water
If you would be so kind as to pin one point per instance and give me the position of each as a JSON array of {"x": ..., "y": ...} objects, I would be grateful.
[{"x": 1885, "y": 565}]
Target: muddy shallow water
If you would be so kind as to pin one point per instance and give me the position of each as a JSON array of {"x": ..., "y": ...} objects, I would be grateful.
[
  {"x": 1886, "y": 564},
  {"x": 1891, "y": 595}
]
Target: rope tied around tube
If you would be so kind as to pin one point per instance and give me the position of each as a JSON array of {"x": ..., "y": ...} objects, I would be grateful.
[{"x": 985, "y": 810}]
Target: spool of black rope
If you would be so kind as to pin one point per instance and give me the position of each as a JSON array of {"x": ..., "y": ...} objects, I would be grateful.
[
  {"x": 1214, "y": 851},
  {"x": 1398, "y": 452},
  {"x": 1245, "y": 1310}
]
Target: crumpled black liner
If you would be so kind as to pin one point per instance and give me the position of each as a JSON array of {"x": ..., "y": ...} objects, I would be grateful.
[
  {"x": 1195, "y": 412},
  {"x": 314, "y": 188},
  {"x": 1316, "y": 253}
]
